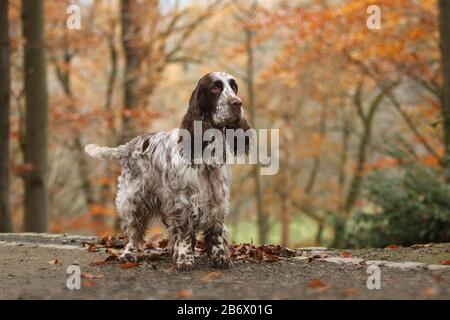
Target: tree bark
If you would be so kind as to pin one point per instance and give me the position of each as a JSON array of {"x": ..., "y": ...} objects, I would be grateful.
[
  {"x": 263, "y": 223},
  {"x": 36, "y": 136},
  {"x": 285, "y": 219},
  {"x": 130, "y": 30},
  {"x": 364, "y": 143},
  {"x": 5, "y": 83},
  {"x": 444, "y": 28},
  {"x": 106, "y": 196}
]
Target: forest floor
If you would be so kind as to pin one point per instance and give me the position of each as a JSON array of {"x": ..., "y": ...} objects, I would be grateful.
[{"x": 33, "y": 267}]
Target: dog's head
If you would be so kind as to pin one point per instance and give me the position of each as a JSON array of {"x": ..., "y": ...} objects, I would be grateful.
[{"x": 215, "y": 102}]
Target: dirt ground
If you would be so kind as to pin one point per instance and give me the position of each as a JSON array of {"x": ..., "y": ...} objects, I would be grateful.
[{"x": 27, "y": 274}]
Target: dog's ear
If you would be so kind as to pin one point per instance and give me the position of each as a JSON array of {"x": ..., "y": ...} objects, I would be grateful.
[
  {"x": 193, "y": 113},
  {"x": 196, "y": 113},
  {"x": 243, "y": 125}
]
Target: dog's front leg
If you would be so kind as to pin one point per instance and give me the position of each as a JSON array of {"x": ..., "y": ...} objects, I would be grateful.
[
  {"x": 183, "y": 254},
  {"x": 216, "y": 242}
]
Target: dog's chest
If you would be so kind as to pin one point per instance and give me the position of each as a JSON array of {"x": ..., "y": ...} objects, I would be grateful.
[{"x": 207, "y": 190}]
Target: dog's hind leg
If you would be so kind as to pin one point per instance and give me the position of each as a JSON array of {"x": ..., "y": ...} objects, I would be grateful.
[
  {"x": 135, "y": 227},
  {"x": 134, "y": 216}
]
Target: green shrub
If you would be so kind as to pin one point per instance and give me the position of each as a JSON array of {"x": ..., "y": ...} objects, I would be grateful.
[{"x": 408, "y": 208}]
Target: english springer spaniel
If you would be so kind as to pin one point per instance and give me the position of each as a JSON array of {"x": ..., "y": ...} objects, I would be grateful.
[{"x": 156, "y": 181}]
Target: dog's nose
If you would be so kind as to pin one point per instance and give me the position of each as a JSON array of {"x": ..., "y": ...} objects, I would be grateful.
[{"x": 236, "y": 104}]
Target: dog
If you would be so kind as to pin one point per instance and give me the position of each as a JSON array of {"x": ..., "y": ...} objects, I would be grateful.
[{"x": 156, "y": 181}]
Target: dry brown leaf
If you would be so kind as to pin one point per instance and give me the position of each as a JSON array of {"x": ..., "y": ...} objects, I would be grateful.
[
  {"x": 89, "y": 283},
  {"x": 53, "y": 262},
  {"x": 394, "y": 246},
  {"x": 97, "y": 263},
  {"x": 92, "y": 276},
  {"x": 345, "y": 254},
  {"x": 436, "y": 278},
  {"x": 91, "y": 247},
  {"x": 430, "y": 292},
  {"x": 318, "y": 284},
  {"x": 210, "y": 276},
  {"x": 183, "y": 293},
  {"x": 128, "y": 265},
  {"x": 350, "y": 292},
  {"x": 112, "y": 251}
]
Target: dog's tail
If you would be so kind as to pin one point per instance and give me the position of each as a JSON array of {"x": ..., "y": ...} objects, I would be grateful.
[{"x": 105, "y": 153}]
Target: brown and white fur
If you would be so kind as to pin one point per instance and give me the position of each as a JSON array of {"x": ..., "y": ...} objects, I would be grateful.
[{"x": 156, "y": 182}]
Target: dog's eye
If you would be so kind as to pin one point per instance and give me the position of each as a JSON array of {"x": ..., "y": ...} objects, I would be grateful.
[
  {"x": 216, "y": 89},
  {"x": 234, "y": 86}
]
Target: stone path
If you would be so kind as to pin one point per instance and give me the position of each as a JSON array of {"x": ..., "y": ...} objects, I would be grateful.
[{"x": 34, "y": 266}]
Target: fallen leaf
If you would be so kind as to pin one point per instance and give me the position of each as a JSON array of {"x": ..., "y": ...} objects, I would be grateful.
[
  {"x": 394, "y": 246},
  {"x": 89, "y": 283},
  {"x": 345, "y": 254},
  {"x": 430, "y": 292},
  {"x": 91, "y": 247},
  {"x": 445, "y": 262},
  {"x": 210, "y": 276},
  {"x": 97, "y": 263},
  {"x": 350, "y": 292},
  {"x": 268, "y": 257},
  {"x": 53, "y": 262},
  {"x": 110, "y": 259},
  {"x": 128, "y": 265},
  {"x": 112, "y": 251},
  {"x": 436, "y": 278},
  {"x": 92, "y": 276},
  {"x": 184, "y": 293},
  {"x": 318, "y": 284}
]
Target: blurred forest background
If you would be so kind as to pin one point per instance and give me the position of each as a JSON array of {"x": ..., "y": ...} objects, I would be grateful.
[{"x": 364, "y": 114}]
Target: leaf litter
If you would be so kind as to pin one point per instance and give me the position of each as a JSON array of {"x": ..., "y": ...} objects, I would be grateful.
[{"x": 155, "y": 249}]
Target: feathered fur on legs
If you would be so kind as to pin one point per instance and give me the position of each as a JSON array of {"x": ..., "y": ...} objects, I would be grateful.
[{"x": 216, "y": 242}]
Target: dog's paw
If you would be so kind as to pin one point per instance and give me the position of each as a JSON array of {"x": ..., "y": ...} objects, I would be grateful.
[
  {"x": 222, "y": 263},
  {"x": 184, "y": 262},
  {"x": 129, "y": 256},
  {"x": 184, "y": 266}
]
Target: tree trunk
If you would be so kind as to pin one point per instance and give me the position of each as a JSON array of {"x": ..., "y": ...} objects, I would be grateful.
[
  {"x": 364, "y": 142},
  {"x": 36, "y": 137},
  {"x": 444, "y": 26},
  {"x": 285, "y": 219},
  {"x": 262, "y": 217},
  {"x": 356, "y": 183},
  {"x": 106, "y": 196},
  {"x": 130, "y": 30},
  {"x": 5, "y": 82}
]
